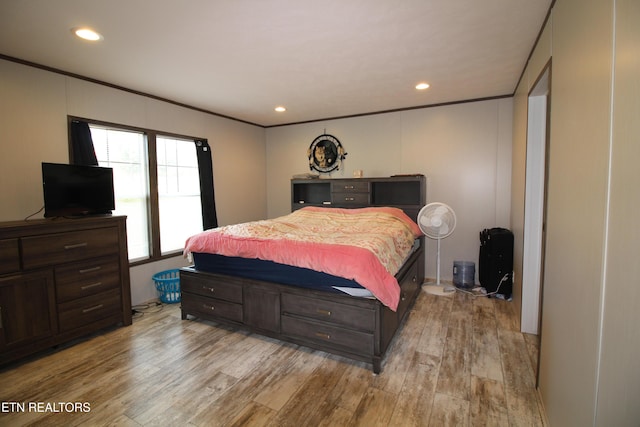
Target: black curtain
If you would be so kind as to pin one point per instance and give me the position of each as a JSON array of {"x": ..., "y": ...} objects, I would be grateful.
[
  {"x": 205, "y": 166},
  {"x": 82, "y": 152}
]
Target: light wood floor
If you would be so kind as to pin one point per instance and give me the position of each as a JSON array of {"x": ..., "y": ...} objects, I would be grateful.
[{"x": 457, "y": 361}]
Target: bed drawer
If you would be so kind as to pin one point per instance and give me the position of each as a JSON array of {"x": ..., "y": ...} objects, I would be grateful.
[
  {"x": 341, "y": 314},
  {"x": 79, "y": 312},
  {"x": 86, "y": 278},
  {"x": 227, "y": 289},
  {"x": 211, "y": 308},
  {"x": 327, "y": 334},
  {"x": 408, "y": 288},
  {"x": 39, "y": 251}
]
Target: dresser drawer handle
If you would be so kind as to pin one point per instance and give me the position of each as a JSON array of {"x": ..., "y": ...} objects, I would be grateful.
[
  {"x": 93, "y": 285},
  {"x": 96, "y": 307},
  {"x": 349, "y": 199},
  {"x": 323, "y": 312},
  {"x": 76, "y": 246},
  {"x": 207, "y": 288},
  {"x": 349, "y": 187},
  {"x": 323, "y": 335},
  {"x": 208, "y": 307},
  {"x": 414, "y": 279},
  {"x": 89, "y": 270}
]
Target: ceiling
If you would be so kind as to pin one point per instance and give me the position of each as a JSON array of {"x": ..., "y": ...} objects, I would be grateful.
[{"x": 319, "y": 59}]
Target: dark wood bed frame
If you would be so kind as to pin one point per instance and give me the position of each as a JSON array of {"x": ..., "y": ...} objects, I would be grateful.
[{"x": 357, "y": 328}]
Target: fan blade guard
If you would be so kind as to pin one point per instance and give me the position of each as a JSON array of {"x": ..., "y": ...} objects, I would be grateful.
[{"x": 437, "y": 220}]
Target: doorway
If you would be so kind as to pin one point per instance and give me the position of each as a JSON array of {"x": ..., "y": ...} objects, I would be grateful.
[{"x": 535, "y": 206}]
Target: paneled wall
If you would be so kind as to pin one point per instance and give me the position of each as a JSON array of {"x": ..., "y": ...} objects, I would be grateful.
[
  {"x": 463, "y": 149},
  {"x": 589, "y": 369},
  {"x": 619, "y": 379},
  {"x": 34, "y": 105}
]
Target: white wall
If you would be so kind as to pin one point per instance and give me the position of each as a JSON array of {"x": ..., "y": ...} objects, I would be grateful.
[
  {"x": 589, "y": 366},
  {"x": 34, "y": 105},
  {"x": 577, "y": 194},
  {"x": 619, "y": 383},
  {"x": 463, "y": 149}
]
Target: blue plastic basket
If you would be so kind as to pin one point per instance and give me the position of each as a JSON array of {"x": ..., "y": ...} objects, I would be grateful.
[{"x": 168, "y": 284}]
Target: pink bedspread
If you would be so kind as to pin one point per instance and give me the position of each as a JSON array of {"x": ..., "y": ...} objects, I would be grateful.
[{"x": 368, "y": 245}]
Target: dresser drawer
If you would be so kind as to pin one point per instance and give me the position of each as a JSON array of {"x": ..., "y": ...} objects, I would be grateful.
[
  {"x": 79, "y": 312},
  {"x": 211, "y": 307},
  {"x": 225, "y": 288},
  {"x": 58, "y": 248},
  {"x": 9, "y": 256},
  {"x": 81, "y": 279},
  {"x": 324, "y": 333},
  {"x": 350, "y": 198},
  {"x": 350, "y": 187},
  {"x": 329, "y": 311}
]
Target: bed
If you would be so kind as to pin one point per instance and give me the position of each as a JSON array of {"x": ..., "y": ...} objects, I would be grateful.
[{"x": 337, "y": 279}]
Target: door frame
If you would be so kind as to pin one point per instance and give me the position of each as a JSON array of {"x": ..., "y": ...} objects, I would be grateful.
[{"x": 536, "y": 178}]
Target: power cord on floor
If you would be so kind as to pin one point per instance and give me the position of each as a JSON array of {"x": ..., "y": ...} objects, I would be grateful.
[
  {"x": 481, "y": 292},
  {"x": 150, "y": 307}
]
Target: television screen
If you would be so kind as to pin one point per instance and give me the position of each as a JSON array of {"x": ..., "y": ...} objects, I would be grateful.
[{"x": 76, "y": 190}]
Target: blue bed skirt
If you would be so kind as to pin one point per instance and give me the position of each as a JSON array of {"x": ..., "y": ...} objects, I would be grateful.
[{"x": 270, "y": 271}]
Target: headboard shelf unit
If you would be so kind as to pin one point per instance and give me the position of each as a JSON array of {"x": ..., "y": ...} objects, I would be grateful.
[
  {"x": 311, "y": 192},
  {"x": 407, "y": 192}
]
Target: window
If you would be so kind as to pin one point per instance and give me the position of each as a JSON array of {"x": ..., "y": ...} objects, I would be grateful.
[
  {"x": 126, "y": 153},
  {"x": 158, "y": 184},
  {"x": 179, "y": 203}
]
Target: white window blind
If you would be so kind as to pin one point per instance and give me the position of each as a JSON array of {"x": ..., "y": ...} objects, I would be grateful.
[{"x": 126, "y": 153}]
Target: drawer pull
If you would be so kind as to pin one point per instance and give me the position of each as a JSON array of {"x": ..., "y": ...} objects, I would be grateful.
[
  {"x": 207, "y": 288},
  {"x": 349, "y": 187},
  {"x": 89, "y": 270},
  {"x": 95, "y": 307},
  {"x": 323, "y": 312},
  {"x": 415, "y": 279},
  {"x": 349, "y": 199},
  {"x": 323, "y": 335},
  {"x": 208, "y": 307},
  {"x": 76, "y": 246},
  {"x": 93, "y": 285}
]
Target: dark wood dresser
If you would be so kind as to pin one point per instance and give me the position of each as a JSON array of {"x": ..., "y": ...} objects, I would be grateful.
[{"x": 61, "y": 279}]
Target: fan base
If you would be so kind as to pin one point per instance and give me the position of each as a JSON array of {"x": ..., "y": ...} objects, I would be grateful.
[{"x": 440, "y": 290}]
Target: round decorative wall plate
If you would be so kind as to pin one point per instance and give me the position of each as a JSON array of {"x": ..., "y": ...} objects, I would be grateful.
[{"x": 325, "y": 154}]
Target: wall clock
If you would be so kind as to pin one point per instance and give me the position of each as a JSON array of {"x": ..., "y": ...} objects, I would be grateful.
[{"x": 325, "y": 154}]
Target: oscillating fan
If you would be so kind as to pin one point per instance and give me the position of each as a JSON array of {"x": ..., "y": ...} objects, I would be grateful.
[{"x": 437, "y": 221}]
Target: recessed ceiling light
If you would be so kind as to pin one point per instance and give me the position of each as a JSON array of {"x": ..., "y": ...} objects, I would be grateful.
[
  {"x": 87, "y": 34},
  {"x": 280, "y": 109},
  {"x": 422, "y": 86}
]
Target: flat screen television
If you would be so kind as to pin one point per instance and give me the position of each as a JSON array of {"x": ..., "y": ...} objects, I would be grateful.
[{"x": 77, "y": 190}]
